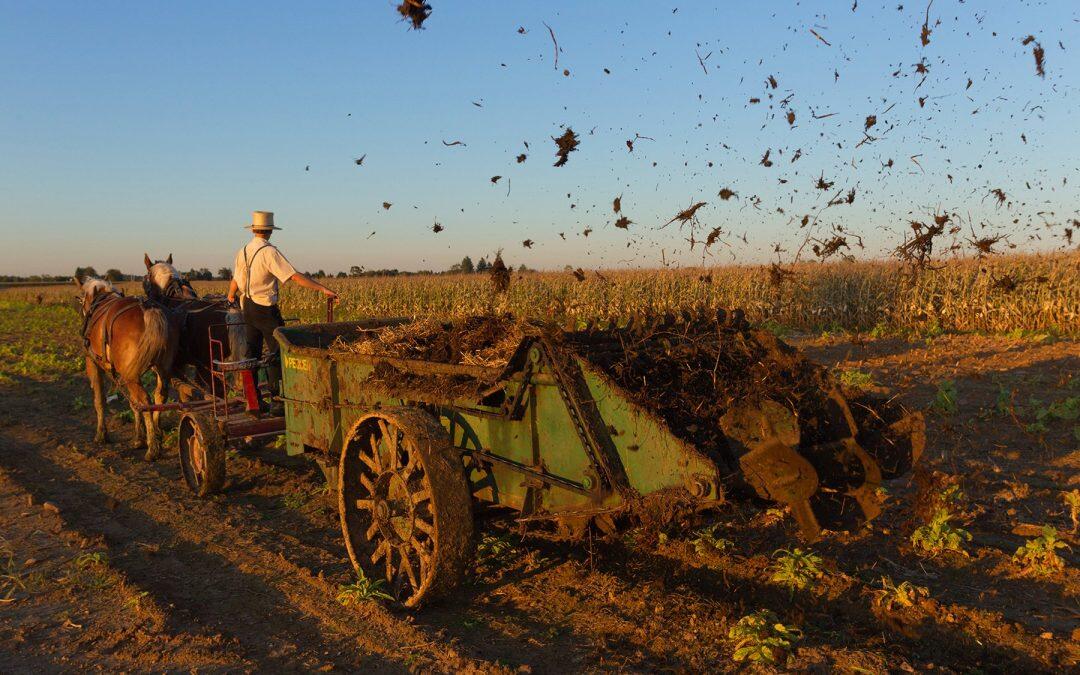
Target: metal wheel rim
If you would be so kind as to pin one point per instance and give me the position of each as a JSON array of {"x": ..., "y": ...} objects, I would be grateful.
[
  {"x": 390, "y": 488},
  {"x": 194, "y": 451}
]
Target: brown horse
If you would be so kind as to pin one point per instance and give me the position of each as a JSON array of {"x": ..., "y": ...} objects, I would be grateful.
[
  {"x": 123, "y": 338},
  {"x": 203, "y": 319}
]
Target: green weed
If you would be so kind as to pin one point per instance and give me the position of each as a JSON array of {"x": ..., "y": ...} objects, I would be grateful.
[
  {"x": 1072, "y": 500},
  {"x": 706, "y": 541},
  {"x": 134, "y": 603},
  {"x": 904, "y": 594},
  {"x": 761, "y": 638},
  {"x": 295, "y": 500},
  {"x": 939, "y": 536},
  {"x": 945, "y": 398},
  {"x": 1038, "y": 557},
  {"x": 856, "y": 379},
  {"x": 880, "y": 330},
  {"x": 362, "y": 590},
  {"x": 1067, "y": 409},
  {"x": 494, "y": 550},
  {"x": 796, "y": 568},
  {"x": 776, "y": 328}
]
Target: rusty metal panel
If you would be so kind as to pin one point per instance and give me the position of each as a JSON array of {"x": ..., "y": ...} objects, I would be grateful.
[{"x": 652, "y": 457}]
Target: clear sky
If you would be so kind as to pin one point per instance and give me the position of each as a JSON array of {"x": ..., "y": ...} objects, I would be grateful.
[{"x": 132, "y": 126}]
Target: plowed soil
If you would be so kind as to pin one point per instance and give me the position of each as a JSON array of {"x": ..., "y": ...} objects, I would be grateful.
[{"x": 109, "y": 563}]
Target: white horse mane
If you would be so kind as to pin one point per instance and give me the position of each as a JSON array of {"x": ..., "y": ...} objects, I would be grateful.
[
  {"x": 94, "y": 285},
  {"x": 161, "y": 273}
]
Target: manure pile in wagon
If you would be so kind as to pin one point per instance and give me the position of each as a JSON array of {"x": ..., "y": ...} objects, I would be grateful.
[{"x": 779, "y": 423}]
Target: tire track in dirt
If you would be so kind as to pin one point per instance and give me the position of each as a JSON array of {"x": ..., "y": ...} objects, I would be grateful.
[{"x": 282, "y": 616}]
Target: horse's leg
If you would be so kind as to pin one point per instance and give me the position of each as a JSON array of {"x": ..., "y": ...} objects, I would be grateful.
[
  {"x": 152, "y": 438},
  {"x": 161, "y": 394},
  {"x": 93, "y": 373},
  {"x": 140, "y": 428}
]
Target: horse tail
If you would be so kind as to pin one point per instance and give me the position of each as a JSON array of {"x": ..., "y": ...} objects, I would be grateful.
[
  {"x": 156, "y": 344},
  {"x": 234, "y": 318}
]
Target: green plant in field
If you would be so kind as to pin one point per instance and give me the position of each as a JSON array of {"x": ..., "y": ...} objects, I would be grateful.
[
  {"x": 134, "y": 603},
  {"x": 796, "y": 568},
  {"x": 705, "y": 541},
  {"x": 856, "y": 379},
  {"x": 1072, "y": 500},
  {"x": 494, "y": 550},
  {"x": 1038, "y": 557},
  {"x": 775, "y": 327},
  {"x": 1067, "y": 409},
  {"x": 89, "y": 570},
  {"x": 295, "y": 500},
  {"x": 361, "y": 590},
  {"x": 11, "y": 580},
  {"x": 904, "y": 594},
  {"x": 945, "y": 398},
  {"x": 88, "y": 560},
  {"x": 79, "y": 403},
  {"x": 761, "y": 638},
  {"x": 939, "y": 536},
  {"x": 1004, "y": 403},
  {"x": 125, "y": 415},
  {"x": 880, "y": 330}
]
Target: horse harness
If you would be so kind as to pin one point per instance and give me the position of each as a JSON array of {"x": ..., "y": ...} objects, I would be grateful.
[{"x": 98, "y": 308}]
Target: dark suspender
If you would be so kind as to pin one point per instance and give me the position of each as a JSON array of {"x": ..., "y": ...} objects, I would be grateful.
[{"x": 247, "y": 268}]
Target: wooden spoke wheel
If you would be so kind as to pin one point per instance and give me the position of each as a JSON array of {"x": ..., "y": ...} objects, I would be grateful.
[
  {"x": 202, "y": 454},
  {"x": 405, "y": 505}
]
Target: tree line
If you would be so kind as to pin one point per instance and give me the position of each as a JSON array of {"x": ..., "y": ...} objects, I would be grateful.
[{"x": 466, "y": 266}]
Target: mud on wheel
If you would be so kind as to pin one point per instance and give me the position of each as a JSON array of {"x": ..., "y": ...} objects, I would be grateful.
[
  {"x": 405, "y": 504},
  {"x": 202, "y": 454}
]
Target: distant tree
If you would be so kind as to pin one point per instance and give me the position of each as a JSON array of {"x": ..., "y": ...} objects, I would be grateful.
[
  {"x": 341, "y": 275},
  {"x": 224, "y": 274},
  {"x": 355, "y": 271},
  {"x": 81, "y": 272},
  {"x": 467, "y": 265},
  {"x": 483, "y": 265},
  {"x": 321, "y": 274},
  {"x": 114, "y": 275},
  {"x": 201, "y": 274},
  {"x": 522, "y": 268}
]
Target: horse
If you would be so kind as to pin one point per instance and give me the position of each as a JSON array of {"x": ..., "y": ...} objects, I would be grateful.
[
  {"x": 203, "y": 319},
  {"x": 123, "y": 338}
]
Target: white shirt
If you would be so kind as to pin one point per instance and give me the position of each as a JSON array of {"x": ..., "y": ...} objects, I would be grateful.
[{"x": 268, "y": 268}]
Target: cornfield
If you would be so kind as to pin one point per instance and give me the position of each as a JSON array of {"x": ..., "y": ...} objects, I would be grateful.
[{"x": 1002, "y": 294}]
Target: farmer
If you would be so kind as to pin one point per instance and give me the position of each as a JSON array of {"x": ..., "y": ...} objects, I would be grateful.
[{"x": 258, "y": 269}]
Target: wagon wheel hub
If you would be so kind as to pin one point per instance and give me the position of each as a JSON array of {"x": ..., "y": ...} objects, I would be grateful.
[{"x": 393, "y": 508}]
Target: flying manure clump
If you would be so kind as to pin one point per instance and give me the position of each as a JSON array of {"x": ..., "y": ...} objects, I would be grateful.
[
  {"x": 414, "y": 11},
  {"x": 499, "y": 274},
  {"x": 566, "y": 144}
]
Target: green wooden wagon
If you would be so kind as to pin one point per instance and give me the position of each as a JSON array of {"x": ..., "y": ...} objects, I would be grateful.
[{"x": 413, "y": 445}]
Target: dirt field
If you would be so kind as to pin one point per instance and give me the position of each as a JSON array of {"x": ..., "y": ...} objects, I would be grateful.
[{"x": 109, "y": 563}]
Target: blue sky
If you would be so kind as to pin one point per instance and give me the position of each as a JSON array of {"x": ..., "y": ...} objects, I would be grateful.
[{"x": 128, "y": 126}]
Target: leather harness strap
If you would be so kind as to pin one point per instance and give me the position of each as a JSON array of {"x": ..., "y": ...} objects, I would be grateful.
[{"x": 99, "y": 308}]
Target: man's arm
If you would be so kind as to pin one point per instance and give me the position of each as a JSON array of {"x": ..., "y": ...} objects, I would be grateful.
[
  {"x": 233, "y": 288},
  {"x": 301, "y": 279}
]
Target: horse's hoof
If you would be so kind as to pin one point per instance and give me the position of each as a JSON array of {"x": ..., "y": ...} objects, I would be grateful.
[
  {"x": 101, "y": 439},
  {"x": 138, "y": 444},
  {"x": 151, "y": 455}
]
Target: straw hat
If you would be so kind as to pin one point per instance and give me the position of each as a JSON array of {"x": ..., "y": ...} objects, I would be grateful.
[{"x": 262, "y": 221}]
